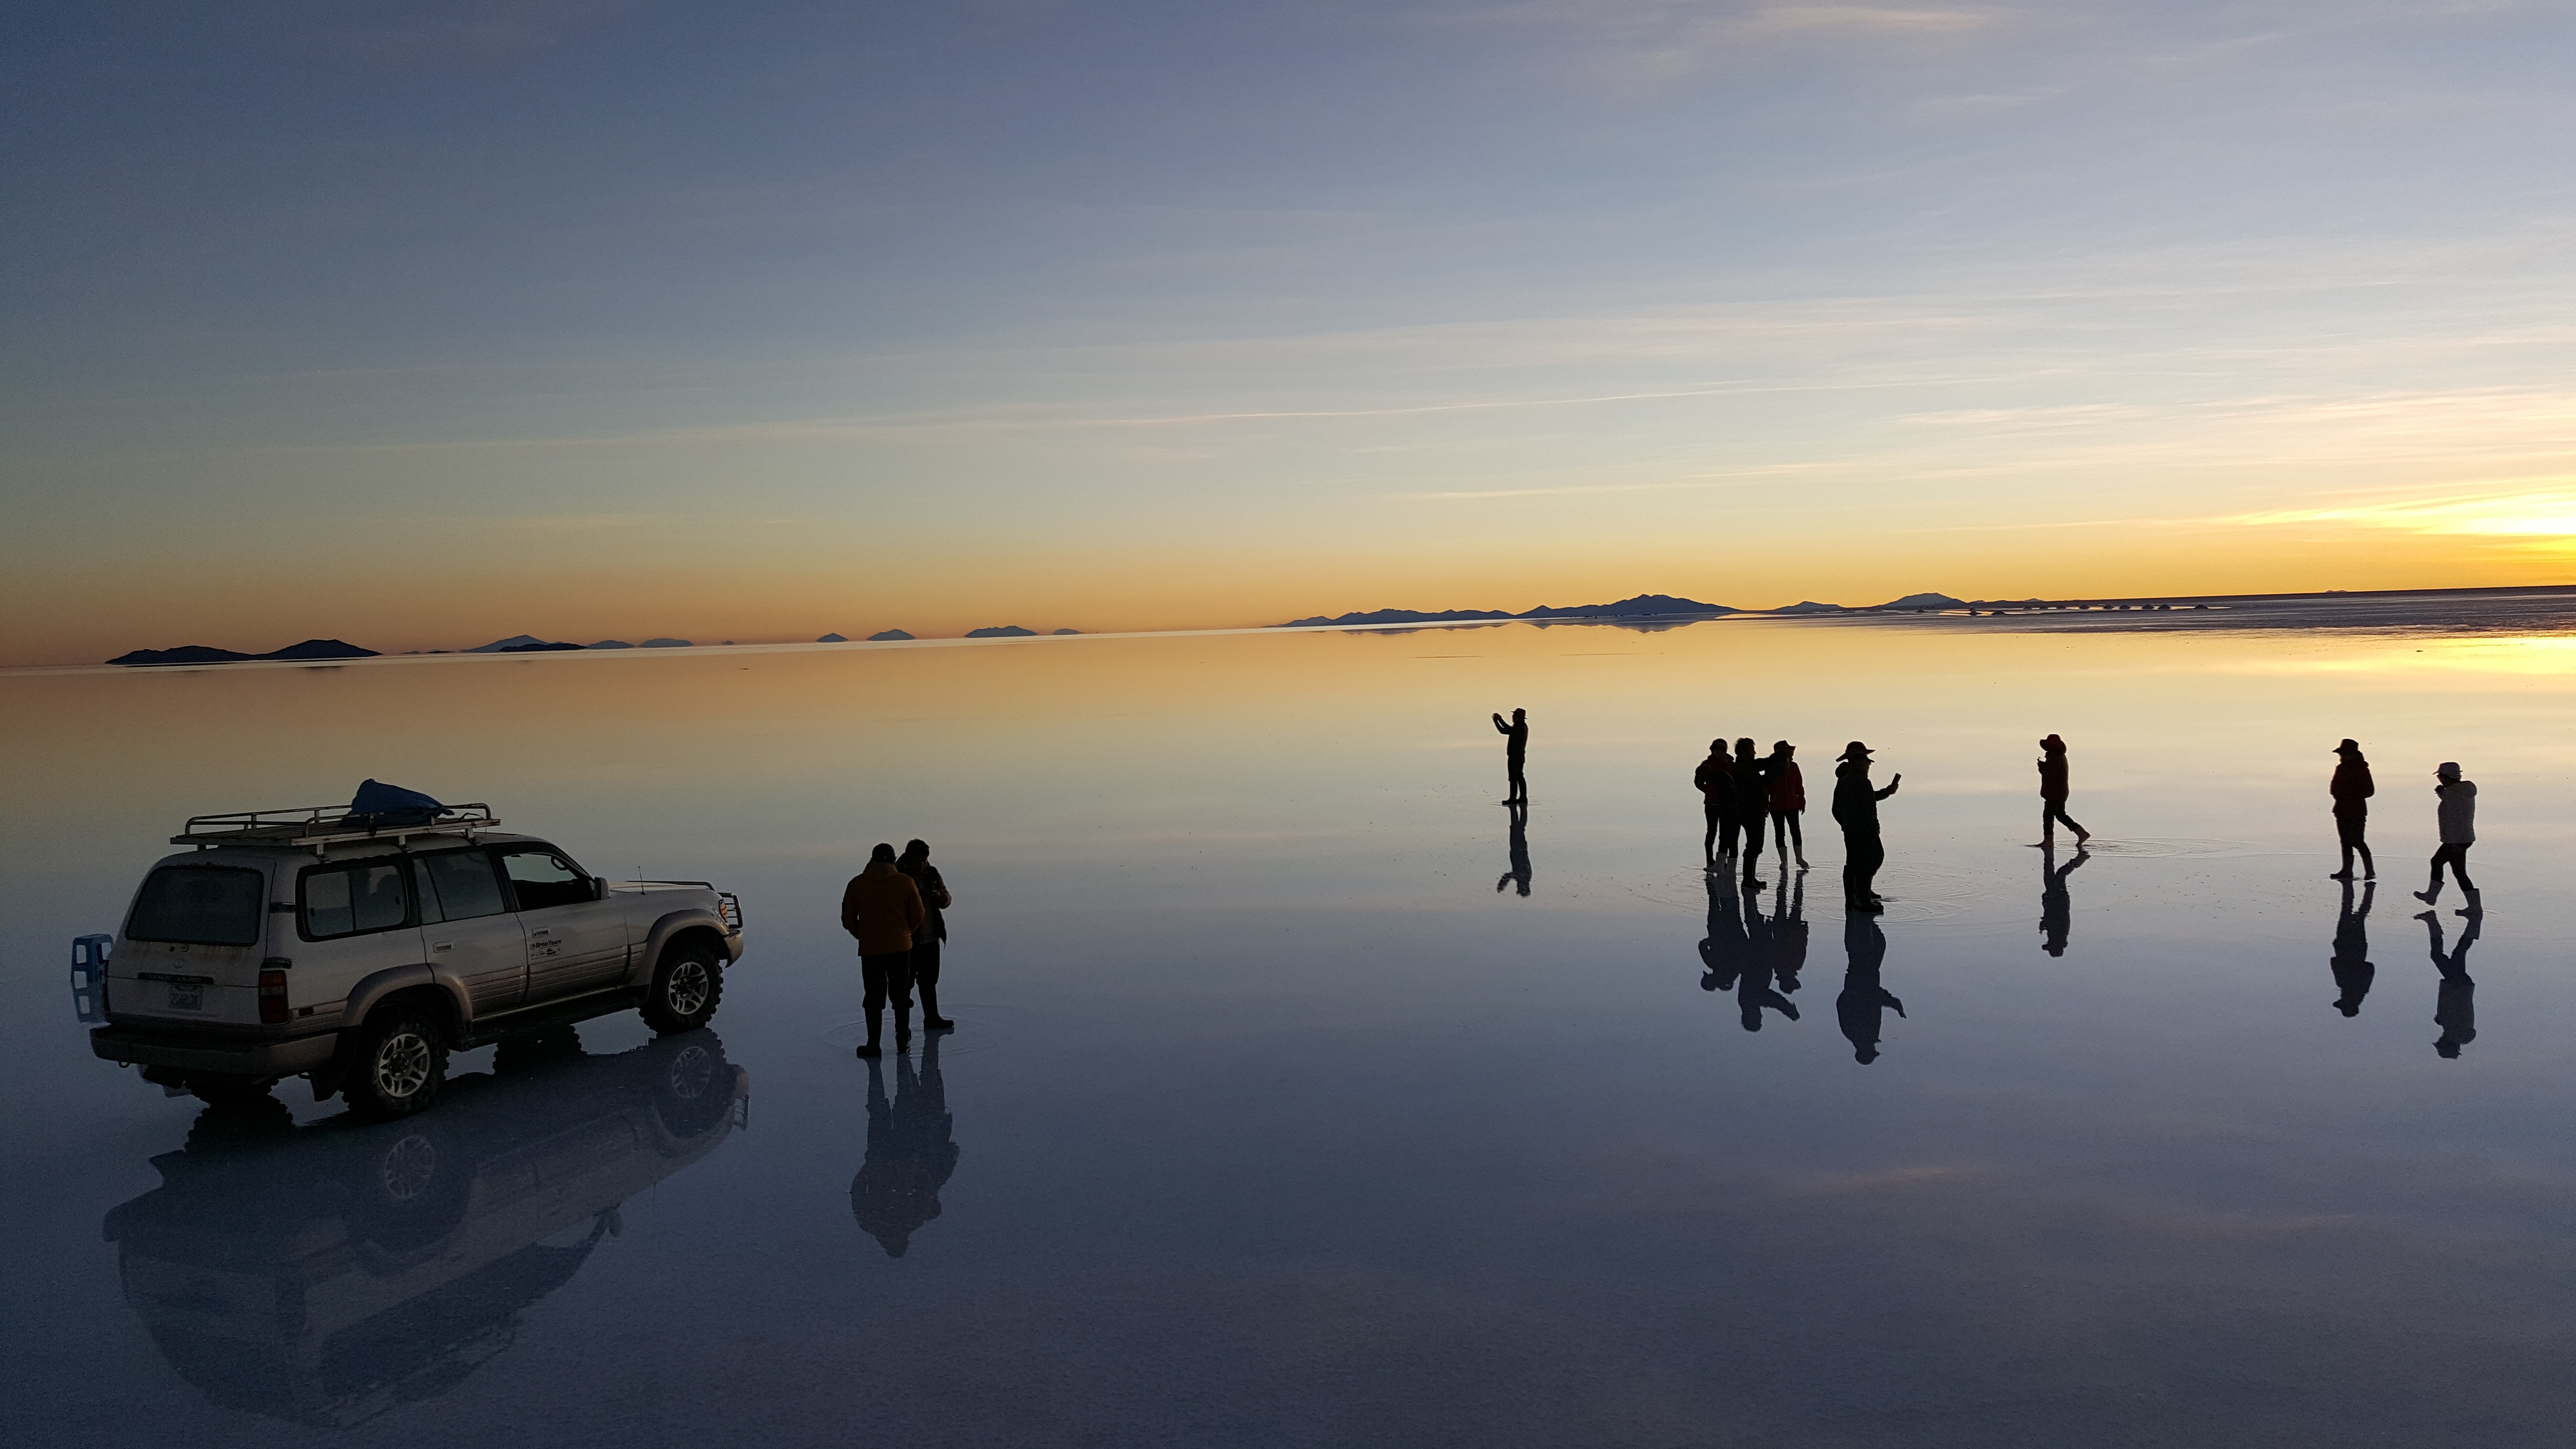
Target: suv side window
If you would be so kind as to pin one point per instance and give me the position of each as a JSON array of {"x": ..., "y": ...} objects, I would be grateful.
[
  {"x": 544, "y": 878},
  {"x": 460, "y": 886},
  {"x": 352, "y": 899}
]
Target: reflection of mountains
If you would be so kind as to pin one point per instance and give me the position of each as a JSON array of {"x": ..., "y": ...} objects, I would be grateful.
[{"x": 324, "y": 1274}]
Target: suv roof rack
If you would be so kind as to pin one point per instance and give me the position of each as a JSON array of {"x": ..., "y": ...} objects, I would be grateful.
[{"x": 320, "y": 826}]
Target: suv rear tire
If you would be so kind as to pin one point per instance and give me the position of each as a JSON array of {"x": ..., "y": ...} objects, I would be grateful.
[
  {"x": 686, "y": 987},
  {"x": 400, "y": 1064}
]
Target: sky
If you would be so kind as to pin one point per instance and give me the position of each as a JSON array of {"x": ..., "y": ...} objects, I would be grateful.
[{"x": 423, "y": 325}]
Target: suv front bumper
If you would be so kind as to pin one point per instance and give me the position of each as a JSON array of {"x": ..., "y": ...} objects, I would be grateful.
[{"x": 190, "y": 1051}]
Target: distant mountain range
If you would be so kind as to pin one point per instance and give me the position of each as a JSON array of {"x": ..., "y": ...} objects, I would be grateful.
[
  {"x": 205, "y": 654},
  {"x": 1643, "y": 606}
]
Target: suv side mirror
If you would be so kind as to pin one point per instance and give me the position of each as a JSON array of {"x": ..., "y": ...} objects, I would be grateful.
[{"x": 599, "y": 888}]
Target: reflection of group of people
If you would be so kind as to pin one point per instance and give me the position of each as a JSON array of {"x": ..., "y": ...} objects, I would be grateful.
[
  {"x": 2455, "y": 1000},
  {"x": 1759, "y": 958}
]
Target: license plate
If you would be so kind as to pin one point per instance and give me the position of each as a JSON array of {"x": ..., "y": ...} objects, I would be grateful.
[{"x": 187, "y": 998}]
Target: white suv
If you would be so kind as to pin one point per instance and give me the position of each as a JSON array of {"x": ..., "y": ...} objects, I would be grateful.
[{"x": 359, "y": 953}]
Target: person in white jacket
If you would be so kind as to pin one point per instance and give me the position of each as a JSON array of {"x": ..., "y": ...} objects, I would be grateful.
[{"x": 2458, "y": 813}]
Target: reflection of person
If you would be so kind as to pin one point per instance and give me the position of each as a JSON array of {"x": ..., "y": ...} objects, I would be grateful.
[
  {"x": 1721, "y": 951},
  {"x": 1715, "y": 778},
  {"x": 2056, "y": 907},
  {"x": 1788, "y": 802},
  {"x": 910, "y": 1156},
  {"x": 1752, "y": 804},
  {"x": 926, "y": 942},
  {"x": 1753, "y": 987},
  {"x": 2351, "y": 960},
  {"x": 2455, "y": 1005},
  {"x": 1856, "y": 810},
  {"x": 882, "y": 907},
  {"x": 1789, "y": 933},
  {"x": 1515, "y": 753},
  {"x": 1864, "y": 1002},
  {"x": 2457, "y": 812},
  {"x": 1519, "y": 874},
  {"x": 2052, "y": 793},
  {"x": 2352, "y": 788}
]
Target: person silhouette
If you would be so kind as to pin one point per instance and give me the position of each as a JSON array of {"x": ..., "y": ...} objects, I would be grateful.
[
  {"x": 926, "y": 942},
  {"x": 1520, "y": 872},
  {"x": 2352, "y": 788},
  {"x": 910, "y": 1154},
  {"x": 2056, "y": 907},
  {"x": 1856, "y": 810},
  {"x": 2455, "y": 1004},
  {"x": 2052, "y": 793},
  {"x": 1788, "y": 933},
  {"x": 1752, "y": 806},
  {"x": 1753, "y": 989},
  {"x": 2351, "y": 960},
  {"x": 1715, "y": 780},
  {"x": 1788, "y": 801},
  {"x": 1721, "y": 951},
  {"x": 1515, "y": 754},
  {"x": 1862, "y": 1006},
  {"x": 2456, "y": 811}
]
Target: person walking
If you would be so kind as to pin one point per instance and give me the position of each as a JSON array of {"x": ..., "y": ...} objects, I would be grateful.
[
  {"x": 2052, "y": 793},
  {"x": 882, "y": 908},
  {"x": 1515, "y": 754},
  {"x": 1856, "y": 811},
  {"x": 1715, "y": 778},
  {"x": 2457, "y": 814},
  {"x": 1752, "y": 805},
  {"x": 1788, "y": 801},
  {"x": 935, "y": 901},
  {"x": 2352, "y": 788}
]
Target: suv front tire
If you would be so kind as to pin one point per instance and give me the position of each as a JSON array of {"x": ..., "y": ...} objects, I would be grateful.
[
  {"x": 686, "y": 987},
  {"x": 401, "y": 1063}
]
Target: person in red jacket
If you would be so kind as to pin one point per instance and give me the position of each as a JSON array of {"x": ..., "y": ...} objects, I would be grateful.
[
  {"x": 1788, "y": 801},
  {"x": 882, "y": 907}
]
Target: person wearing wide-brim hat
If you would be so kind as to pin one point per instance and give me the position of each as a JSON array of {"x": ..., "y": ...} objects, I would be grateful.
[
  {"x": 2052, "y": 793},
  {"x": 2352, "y": 789},
  {"x": 1856, "y": 810}
]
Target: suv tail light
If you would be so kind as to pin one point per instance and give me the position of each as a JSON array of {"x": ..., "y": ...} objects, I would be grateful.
[{"x": 272, "y": 996}]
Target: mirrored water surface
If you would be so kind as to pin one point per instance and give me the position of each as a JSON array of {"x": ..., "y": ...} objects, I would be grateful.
[{"x": 1303, "y": 1094}]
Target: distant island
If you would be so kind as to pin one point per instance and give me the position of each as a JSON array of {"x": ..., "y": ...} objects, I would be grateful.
[
  {"x": 833, "y": 639},
  {"x": 206, "y": 654},
  {"x": 888, "y": 636},
  {"x": 1005, "y": 631}
]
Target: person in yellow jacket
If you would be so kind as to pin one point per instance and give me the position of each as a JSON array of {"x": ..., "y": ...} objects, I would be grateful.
[{"x": 882, "y": 908}]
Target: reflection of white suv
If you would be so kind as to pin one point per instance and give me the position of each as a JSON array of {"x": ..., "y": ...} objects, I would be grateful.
[{"x": 359, "y": 953}]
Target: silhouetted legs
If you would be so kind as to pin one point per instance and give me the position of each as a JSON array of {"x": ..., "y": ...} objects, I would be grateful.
[
  {"x": 1863, "y": 853},
  {"x": 2053, "y": 811},
  {"x": 1752, "y": 852},
  {"x": 1708, "y": 842},
  {"x": 2348, "y": 830},
  {"x": 1785, "y": 831},
  {"x": 886, "y": 977},
  {"x": 925, "y": 974},
  {"x": 1517, "y": 791},
  {"x": 2457, "y": 857}
]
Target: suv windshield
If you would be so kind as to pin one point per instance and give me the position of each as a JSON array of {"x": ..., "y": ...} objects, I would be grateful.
[{"x": 199, "y": 905}]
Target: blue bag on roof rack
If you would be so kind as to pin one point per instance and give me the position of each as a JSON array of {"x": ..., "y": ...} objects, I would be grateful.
[{"x": 378, "y": 805}]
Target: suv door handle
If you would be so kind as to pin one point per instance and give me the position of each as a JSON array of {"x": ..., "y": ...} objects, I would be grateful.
[
  {"x": 540, "y": 935},
  {"x": 443, "y": 946}
]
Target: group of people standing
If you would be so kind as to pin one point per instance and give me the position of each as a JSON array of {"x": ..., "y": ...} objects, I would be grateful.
[
  {"x": 897, "y": 908},
  {"x": 1741, "y": 791}
]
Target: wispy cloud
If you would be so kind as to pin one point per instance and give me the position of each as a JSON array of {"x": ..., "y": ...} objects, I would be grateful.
[{"x": 2538, "y": 514}]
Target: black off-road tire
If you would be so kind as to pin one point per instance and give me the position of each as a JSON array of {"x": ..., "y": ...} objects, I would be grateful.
[
  {"x": 399, "y": 1066},
  {"x": 687, "y": 984}
]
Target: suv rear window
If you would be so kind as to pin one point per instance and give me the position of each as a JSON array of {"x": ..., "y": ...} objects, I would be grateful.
[
  {"x": 345, "y": 900},
  {"x": 200, "y": 905}
]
